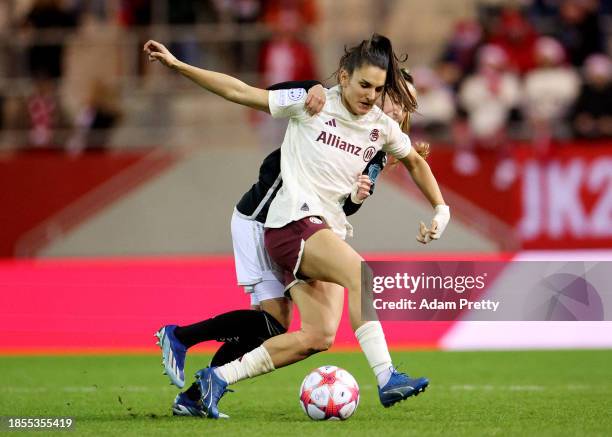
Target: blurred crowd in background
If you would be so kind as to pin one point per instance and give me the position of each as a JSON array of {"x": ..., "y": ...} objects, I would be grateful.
[
  {"x": 34, "y": 51},
  {"x": 538, "y": 71}
]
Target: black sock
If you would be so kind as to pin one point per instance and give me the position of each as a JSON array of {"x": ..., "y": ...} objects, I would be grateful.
[
  {"x": 233, "y": 327},
  {"x": 232, "y": 351},
  {"x": 226, "y": 353}
]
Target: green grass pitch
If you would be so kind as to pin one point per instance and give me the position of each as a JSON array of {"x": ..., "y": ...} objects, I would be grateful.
[{"x": 471, "y": 393}]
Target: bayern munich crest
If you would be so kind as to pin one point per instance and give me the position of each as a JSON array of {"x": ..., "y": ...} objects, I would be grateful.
[
  {"x": 374, "y": 135},
  {"x": 369, "y": 153}
]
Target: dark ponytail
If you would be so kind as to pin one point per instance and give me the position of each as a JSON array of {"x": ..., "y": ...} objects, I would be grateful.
[{"x": 378, "y": 51}]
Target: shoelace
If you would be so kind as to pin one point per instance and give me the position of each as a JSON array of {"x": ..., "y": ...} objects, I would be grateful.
[
  {"x": 225, "y": 390},
  {"x": 396, "y": 371}
]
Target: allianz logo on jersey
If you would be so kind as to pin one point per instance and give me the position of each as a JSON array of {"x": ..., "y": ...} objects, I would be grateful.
[{"x": 341, "y": 144}]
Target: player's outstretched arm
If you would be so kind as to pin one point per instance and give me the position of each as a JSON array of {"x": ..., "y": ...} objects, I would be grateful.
[
  {"x": 424, "y": 179},
  {"x": 223, "y": 85}
]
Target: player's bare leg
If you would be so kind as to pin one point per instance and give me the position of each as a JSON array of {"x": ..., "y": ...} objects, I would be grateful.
[
  {"x": 320, "y": 305},
  {"x": 320, "y": 309},
  {"x": 329, "y": 258},
  {"x": 342, "y": 268}
]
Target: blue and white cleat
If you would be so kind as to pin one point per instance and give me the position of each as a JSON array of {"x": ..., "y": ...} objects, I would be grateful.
[
  {"x": 183, "y": 406},
  {"x": 212, "y": 389},
  {"x": 399, "y": 387},
  {"x": 173, "y": 355}
]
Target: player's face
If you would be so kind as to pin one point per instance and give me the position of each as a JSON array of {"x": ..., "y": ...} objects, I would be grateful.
[
  {"x": 361, "y": 89},
  {"x": 394, "y": 110}
]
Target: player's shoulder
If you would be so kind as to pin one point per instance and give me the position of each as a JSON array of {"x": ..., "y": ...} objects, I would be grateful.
[
  {"x": 377, "y": 115},
  {"x": 378, "y": 119},
  {"x": 333, "y": 91},
  {"x": 333, "y": 103},
  {"x": 332, "y": 95}
]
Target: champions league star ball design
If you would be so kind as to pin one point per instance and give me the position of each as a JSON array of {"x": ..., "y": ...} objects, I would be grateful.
[
  {"x": 565, "y": 296},
  {"x": 329, "y": 393}
]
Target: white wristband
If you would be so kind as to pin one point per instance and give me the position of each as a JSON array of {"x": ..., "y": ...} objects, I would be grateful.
[
  {"x": 441, "y": 217},
  {"x": 354, "y": 198}
]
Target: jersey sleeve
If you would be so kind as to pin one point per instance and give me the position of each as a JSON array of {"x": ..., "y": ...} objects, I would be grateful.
[
  {"x": 350, "y": 207},
  {"x": 287, "y": 103},
  {"x": 306, "y": 84},
  {"x": 398, "y": 143}
]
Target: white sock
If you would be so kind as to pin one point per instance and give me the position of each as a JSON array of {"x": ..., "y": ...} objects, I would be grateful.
[
  {"x": 372, "y": 341},
  {"x": 383, "y": 377},
  {"x": 254, "y": 363}
]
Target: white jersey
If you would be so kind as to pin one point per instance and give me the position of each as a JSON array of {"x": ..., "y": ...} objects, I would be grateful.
[{"x": 322, "y": 156}]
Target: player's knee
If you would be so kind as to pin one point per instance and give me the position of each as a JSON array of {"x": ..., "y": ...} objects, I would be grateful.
[
  {"x": 326, "y": 341},
  {"x": 319, "y": 341}
]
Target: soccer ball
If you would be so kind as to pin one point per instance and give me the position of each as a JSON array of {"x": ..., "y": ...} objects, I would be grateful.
[{"x": 329, "y": 393}]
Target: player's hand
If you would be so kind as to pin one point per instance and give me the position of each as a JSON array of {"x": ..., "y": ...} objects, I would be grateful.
[
  {"x": 438, "y": 225},
  {"x": 315, "y": 100},
  {"x": 158, "y": 52},
  {"x": 422, "y": 148},
  {"x": 361, "y": 189}
]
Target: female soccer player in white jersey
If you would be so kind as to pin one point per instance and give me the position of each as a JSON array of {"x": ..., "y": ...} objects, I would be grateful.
[
  {"x": 242, "y": 330},
  {"x": 306, "y": 226}
]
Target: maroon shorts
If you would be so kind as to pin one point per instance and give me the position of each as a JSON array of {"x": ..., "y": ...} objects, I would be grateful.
[{"x": 285, "y": 245}]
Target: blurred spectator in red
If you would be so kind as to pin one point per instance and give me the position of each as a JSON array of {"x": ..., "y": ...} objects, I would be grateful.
[
  {"x": 40, "y": 116},
  {"x": 278, "y": 11},
  {"x": 592, "y": 114},
  {"x": 46, "y": 115},
  {"x": 436, "y": 109},
  {"x": 517, "y": 37},
  {"x": 579, "y": 29},
  {"x": 488, "y": 96},
  {"x": 95, "y": 122},
  {"x": 459, "y": 56},
  {"x": 549, "y": 92},
  {"x": 285, "y": 57},
  {"x": 282, "y": 58},
  {"x": 134, "y": 13},
  {"x": 46, "y": 59}
]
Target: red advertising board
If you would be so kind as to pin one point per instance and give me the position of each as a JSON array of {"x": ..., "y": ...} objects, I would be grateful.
[
  {"x": 560, "y": 201},
  {"x": 566, "y": 200},
  {"x": 109, "y": 305}
]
